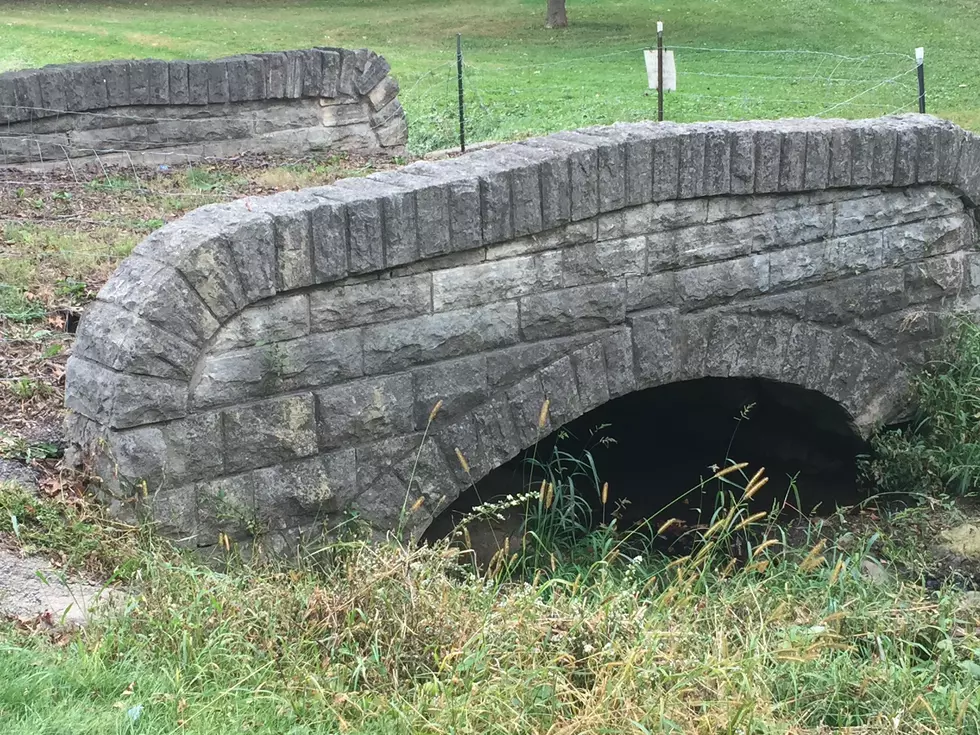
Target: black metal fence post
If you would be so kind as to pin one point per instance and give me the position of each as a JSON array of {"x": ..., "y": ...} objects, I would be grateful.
[{"x": 920, "y": 54}]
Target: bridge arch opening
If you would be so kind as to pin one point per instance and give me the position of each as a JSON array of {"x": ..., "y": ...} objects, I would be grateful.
[{"x": 654, "y": 447}]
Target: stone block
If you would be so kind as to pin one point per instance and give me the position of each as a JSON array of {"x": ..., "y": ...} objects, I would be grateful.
[
  {"x": 863, "y": 155},
  {"x": 571, "y": 310},
  {"x": 55, "y": 86},
  {"x": 383, "y": 93},
  {"x": 638, "y": 141},
  {"x": 532, "y": 420},
  {"x": 275, "y": 75},
  {"x": 848, "y": 255},
  {"x": 691, "y": 162},
  {"x": 157, "y": 293},
  {"x": 269, "y": 432},
  {"x": 495, "y": 427},
  {"x": 841, "y": 158},
  {"x": 816, "y": 174},
  {"x": 321, "y": 359},
  {"x": 376, "y": 69},
  {"x": 500, "y": 280},
  {"x": 297, "y": 492},
  {"x": 918, "y": 240},
  {"x": 457, "y": 189},
  {"x": 602, "y": 261},
  {"x": 742, "y": 167},
  {"x": 383, "y": 300},
  {"x": 617, "y": 348},
  {"x": 950, "y": 140},
  {"x": 226, "y": 506},
  {"x": 172, "y": 512},
  {"x": 169, "y": 454},
  {"x": 179, "y": 90},
  {"x": 654, "y": 347},
  {"x": 312, "y": 72},
  {"x": 652, "y": 218},
  {"x": 792, "y": 161},
  {"x": 927, "y": 146},
  {"x": 717, "y": 162},
  {"x": 365, "y": 228},
  {"x": 365, "y": 410},
  {"x": 219, "y": 91},
  {"x": 906, "y": 155},
  {"x": 558, "y": 384},
  {"x": 589, "y": 365},
  {"x": 717, "y": 283},
  {"x": 968, "y": 169},
  {"x": 294, "y": 75},
  {"x": 123, "y": 341},
  {"x": 157, "y": 82},
  {"x": 116, "y": 75},
  {"x": 883, "y": 157},
  {"x": 27, "y": 93},
  {"x": 402, "y": 344},
  {"x": 553, "y": 172},
  {"x": 768, "y": 156},
  {"x": 651, "y": 292},
  {"x": 610, "y": 150},
  {"x": 893, "y": 207},
  {"x": 328, "y": 230},
  {"x": 510, "y": 365},
  {"x": 255, "y": 76},
  {"x": 583, "y": 173},
  {"x": 138, "y": 73},
  {"x": 282, "y": 318},
  {"x": 461, "y": 385},
  {"x": 229, "y": 377},
  {"x": 237, "y": 87},
  {"x": 198, "y": 79},
  {"x": 119, "y": 400}
]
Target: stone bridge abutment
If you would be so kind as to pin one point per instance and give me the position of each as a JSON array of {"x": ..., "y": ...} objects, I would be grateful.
[{"x": 277, "y": 361}]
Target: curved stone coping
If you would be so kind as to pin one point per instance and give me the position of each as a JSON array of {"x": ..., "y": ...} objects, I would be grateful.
[
  {"x": 141, "y": 343},
  {"x": 35, "y": 94}
]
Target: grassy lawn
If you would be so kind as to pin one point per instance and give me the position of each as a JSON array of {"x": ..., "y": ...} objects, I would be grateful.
[{"x": 522, "y": 78}]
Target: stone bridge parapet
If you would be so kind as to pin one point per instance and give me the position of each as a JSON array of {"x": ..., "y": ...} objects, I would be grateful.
[{"x": 276, "y": 362}]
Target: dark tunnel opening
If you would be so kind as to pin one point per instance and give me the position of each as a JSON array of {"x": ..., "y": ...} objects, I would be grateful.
[{"x": 654, "y": 447}]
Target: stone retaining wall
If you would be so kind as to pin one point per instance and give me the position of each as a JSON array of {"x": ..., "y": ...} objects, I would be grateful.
[
  {"x": 287, "y": 103},
  {"x": 276, "y": 364}
]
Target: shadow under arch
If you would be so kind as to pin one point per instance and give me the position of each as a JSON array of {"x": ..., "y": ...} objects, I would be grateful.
[{"x": 655, "y": 446}]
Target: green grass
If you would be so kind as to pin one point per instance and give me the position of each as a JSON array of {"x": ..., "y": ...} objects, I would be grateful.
[
  {"x": 366, "y": 639},
  {"x": 523, "y": 79}
]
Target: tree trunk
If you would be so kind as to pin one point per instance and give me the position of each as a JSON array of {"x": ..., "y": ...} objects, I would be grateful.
[{"x": 556, "y": 14}]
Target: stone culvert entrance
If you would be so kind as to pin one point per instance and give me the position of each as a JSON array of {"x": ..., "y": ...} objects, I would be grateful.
[{"x": 274, "y": 363}]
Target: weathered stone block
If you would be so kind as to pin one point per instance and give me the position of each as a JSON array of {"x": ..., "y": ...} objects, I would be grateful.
[
  {"x": 289, "y": 494},
  {"x": 116, "y": 75},
  {"x": 387, "y": 299},
  {"x": 509, "y": 366},
  {"x": 654, "y": 217},
  {"x": 198, "y": 80},
  {"x": 269, "y": 432},
  {"x": 768, "y": 154},
  {"x": 410, "y": 342},
  {"x": 500, "y": 280},
  {"x": 742, "y": 167},
  {"x": 157, "y": 82},
  {"x": 927, "y": 238},
  {"x": 55, "y": 89},
  {"x": 892, "y": 208},
  {"x": 691, "y": 166},
  {"x": 589, "y": 365},
  {"x": 432, "y": 212},
  {"x": 816, "y": 174},
  {"x": 558, "y": 384},
  {"x": 602, "y": 261},
  {"x": 167, "y": 455},
  {"x": 617, "y": 347},
  {"x": 285, "y": 317},
  {"x": 125, "y": 342},
  {"x": 178, "y": 84},
  {"x": 610, "y": 150},
  {"x": 717, "y": 162},
  {"x": 461, "y": 385},
  {"x": 226, "y": 506},
  {"x": 365, "y": 410},
  {"x": 792, "y": 161},
  {"x": 654, "y": 347},
  {"x": 651, "y": 292},
  {"x": 157, "y": 293},
  {"x": 848, "y": 255},
  {"x": 906, "y": 155},
  {"x": 120, "y": 400},
  {"x": 715, "y": 283},
  {"x": 841, "y": 157},
  {"x": 583, "y": 173},
  {"x": 579, "y": 309},
  {"x": 459, "y": 190}
]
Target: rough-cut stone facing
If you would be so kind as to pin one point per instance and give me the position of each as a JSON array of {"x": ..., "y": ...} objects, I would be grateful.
[
  {"x": 327, "y": 353},
  {"x": 285, "y": 102}
]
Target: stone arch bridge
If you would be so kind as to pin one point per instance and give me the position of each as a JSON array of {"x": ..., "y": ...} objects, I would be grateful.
[{"x": 275, "y": 362}]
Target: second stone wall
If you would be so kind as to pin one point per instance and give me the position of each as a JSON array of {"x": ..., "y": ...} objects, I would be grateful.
[{"x": 285, "y": 103}]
